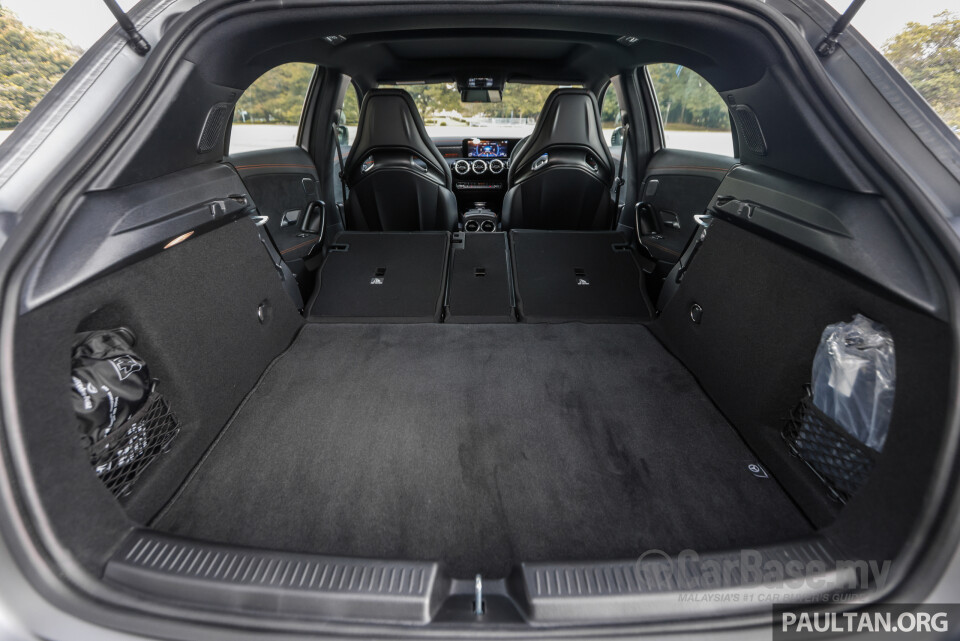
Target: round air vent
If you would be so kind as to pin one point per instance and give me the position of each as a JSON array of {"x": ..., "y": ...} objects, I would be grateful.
[
  {"x": 472, "y": 225},
  {"x": 479, "y": 166},
  {"x": 488, "y": 225},
  {"x": 462, "y": 167},
  {"x": 496, "y": 166}
]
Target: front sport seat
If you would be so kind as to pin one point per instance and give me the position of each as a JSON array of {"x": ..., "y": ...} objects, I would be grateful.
[
  {"x": 561, "y": 176},
  {"x": 396, "y": 177}
]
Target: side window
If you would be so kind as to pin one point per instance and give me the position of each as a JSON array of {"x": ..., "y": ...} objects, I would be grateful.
[
  {"x": 347, "y": 132},
  {"x": 693, "y": 115},
  {"x": 350, "y": 115},
  {"x": 267, "y": 115},
  {"x": 610, "y": 119}
]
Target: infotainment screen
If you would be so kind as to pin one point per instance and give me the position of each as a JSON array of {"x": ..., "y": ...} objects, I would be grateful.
[{"x": 486, "y": 148}]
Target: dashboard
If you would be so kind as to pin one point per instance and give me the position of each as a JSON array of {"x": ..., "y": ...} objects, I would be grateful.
[
  {"x": 480, "y": 168},
  {"x": 477, "y": 157},
  {"x": 476, "y": 148}
]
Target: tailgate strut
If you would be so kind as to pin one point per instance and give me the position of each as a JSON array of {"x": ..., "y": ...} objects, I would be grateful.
[
  {"x": 136, "y": 40},
  {"x": 829, "y": 44}
]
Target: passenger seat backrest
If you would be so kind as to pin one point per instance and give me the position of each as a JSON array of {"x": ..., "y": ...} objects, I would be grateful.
[
  {"x": 397, "y": 178},
  {"x": 561, "y": 176}
]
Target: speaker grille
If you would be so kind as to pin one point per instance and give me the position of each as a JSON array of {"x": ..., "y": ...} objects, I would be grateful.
[
  {"x": 214, "y": 126},
  {"x": 749, "y": 128}
]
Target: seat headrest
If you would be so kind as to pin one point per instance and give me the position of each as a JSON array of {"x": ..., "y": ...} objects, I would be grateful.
[
  {"x": 570, "y": 118},
  {"x": 389, "y": 120}
]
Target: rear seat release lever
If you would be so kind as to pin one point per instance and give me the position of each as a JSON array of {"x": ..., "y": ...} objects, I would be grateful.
[
  {"x": 670, "y": 218},
  {"x": 704, "y": 220},
  {"x": 478, "y": 596}
]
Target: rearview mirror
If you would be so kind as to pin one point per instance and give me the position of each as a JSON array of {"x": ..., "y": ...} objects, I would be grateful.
[{"x": 481, "y": 95}]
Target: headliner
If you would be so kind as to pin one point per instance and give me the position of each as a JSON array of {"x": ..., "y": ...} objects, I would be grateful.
[{"x": 572, "y": 48}]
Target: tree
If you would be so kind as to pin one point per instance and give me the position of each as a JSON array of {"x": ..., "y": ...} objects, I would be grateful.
[
  {"x": 610, "y": 108},
  {"x": 31, "y": 62},
  {"x": 277, "y": 96},
  {"x": 928, "y": 56},
  {"x": 687, "y": 99},
  {"x": 519, "y": 100}
]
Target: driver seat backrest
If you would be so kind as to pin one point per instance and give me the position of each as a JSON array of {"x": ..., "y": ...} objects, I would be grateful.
[
  {"x": 561, "y": 176},
  {"x": 397, "y": 178}
]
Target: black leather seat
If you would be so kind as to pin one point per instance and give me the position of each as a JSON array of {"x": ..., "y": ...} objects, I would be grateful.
[
  {"x": 396, "y": 177},
  {"x": 561, "y": 176}
]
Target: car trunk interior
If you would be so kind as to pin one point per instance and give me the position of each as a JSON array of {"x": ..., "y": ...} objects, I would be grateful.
[
  {"x": 479, "y": 445},
  {"x": 526, "y": 405}
]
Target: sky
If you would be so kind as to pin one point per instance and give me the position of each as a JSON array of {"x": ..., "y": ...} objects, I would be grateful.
[
  {"x": 81, "y": 21},
  {"x": 84, "y": 21},
  {"x": 879, "y": 20}
]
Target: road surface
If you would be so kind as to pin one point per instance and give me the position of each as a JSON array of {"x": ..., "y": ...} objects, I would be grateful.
[{"x": 254, "y": 137}]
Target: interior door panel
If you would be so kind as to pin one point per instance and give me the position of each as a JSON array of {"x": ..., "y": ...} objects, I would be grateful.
[
  {"x": 678, "y": 185},
  {"x": 283, "y": 182}
]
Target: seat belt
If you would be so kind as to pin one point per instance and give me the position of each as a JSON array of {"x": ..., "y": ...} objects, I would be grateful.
[
  {"x": 287, "y": 278},
  {"x": 623, "y": 156},
  {"x": 672, "y": 282},
  {"x": 336, "y": 140}
]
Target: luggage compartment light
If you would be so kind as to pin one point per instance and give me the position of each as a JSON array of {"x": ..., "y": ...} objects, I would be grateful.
[{"x": 179, "y": 239}]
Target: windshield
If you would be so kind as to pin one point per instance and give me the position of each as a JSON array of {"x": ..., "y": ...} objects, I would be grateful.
[{"x": 514, "y": 117}]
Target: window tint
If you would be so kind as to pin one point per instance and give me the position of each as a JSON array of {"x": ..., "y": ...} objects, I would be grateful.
[
  {"x": 268, "y": 113},
  {"x": 610, "y": 119},
  {"x": 349, "y": 118},
  {"x": 350, "y": 113},
  {"x": 445, "y": 116},
  {"x": 693, "y": 114}
]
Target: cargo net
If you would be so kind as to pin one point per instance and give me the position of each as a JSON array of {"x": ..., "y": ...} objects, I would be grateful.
[
  {"x": 841, "y": 461},
  {"x": 122, "y": 455}
]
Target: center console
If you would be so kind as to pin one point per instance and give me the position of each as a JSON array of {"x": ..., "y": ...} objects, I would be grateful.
[
  {"x": 479, "y": 218},
  {"x": 480, "y": 168}
]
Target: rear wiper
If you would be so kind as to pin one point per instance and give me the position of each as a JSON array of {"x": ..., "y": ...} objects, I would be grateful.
[
  {"x": 137, "y": 41},
  {"x": 829, "y": 44}
]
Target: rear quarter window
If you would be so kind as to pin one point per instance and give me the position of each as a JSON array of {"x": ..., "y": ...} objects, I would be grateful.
[
  {"x": 267, "y": 116},
  {"x": 693, "y": 115}
]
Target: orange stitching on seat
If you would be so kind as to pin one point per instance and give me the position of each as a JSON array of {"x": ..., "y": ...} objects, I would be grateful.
[
  {"x": 666, "y": 249},
  {"x": 655, "y": 169},
  {"x": 290, "y": 249},
  {"x": 240, "y": 167}
]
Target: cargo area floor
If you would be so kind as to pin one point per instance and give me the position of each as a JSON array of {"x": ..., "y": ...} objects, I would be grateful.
[{"x": 481, "y": 446}]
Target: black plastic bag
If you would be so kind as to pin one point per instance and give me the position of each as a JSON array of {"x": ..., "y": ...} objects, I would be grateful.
[{"x": 110, "y": 381}]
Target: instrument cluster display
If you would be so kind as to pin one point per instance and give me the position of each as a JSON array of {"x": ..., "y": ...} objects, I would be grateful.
[{"x": 486, "y": 148}]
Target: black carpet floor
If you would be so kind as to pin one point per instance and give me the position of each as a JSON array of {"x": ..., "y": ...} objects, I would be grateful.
[{"x": 482, "y": 446}]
